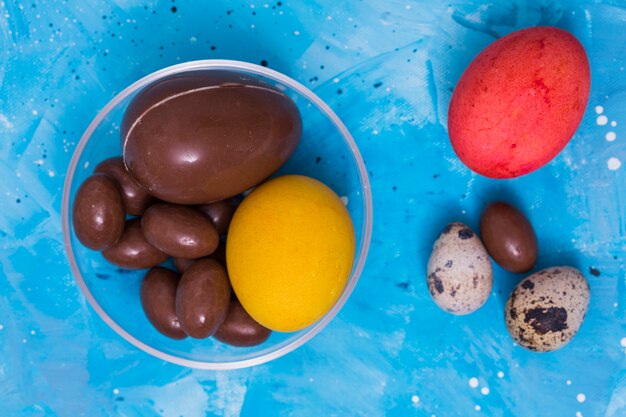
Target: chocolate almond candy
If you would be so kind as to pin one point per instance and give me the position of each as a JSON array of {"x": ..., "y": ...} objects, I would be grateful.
[
  {"x": 158, "y": 299},
  {"x": 220, "y": 213},
  {"x": 98, "y": 212},
  {"x": 202, "y": 298},
  {"x": 508, "y": 237},
  {"x": 133, "y": 251},
  {"x": 183, "y": 264},
  {"x": 179, "y": 231},
  {"x": 239, "y": 329},
  {"x": 220, "y": 255},
  {"x": 136, "y": 198},
  {"x": 203, "y": 136}
]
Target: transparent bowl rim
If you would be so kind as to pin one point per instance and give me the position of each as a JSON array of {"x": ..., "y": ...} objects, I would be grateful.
[{"x": 215, "y": 64}]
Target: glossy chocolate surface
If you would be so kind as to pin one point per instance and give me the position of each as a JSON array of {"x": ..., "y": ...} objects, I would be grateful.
[
  {"x": 136, "y": 198},
  {"x": 202, "y": 298},
  {"x": 98, "y": 212},
  {"x": 133, "y": 251},
  {"x": 220, "y": 213},
  {"x": 239, "y": 329},
  {"x": 179, "y": 231},
  {"x": 204, "y": 136},
  {"x": 158, "y": 299},
  {"x": 508, "y": 237},
  {"x": 183, "y": 264},
  {"x": 220, "y": 254}
]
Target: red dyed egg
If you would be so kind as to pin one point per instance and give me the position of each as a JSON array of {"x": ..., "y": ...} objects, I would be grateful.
[{"x": 519, "y": 102}]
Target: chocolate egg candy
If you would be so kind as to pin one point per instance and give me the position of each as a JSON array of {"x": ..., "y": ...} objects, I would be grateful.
[
  {"x": 183, "y": 264},
  {"x": 202, "y": 298},
  {"x": 136, "y": 198},
  {"x": 220, "y": 213},
  {"x": 158, "y": 299},
  {"x": 98, "y": 212},
  {"x": 179, "y": 231},
  {"x": 204, "y": 136},
  {"x": 239, "y": 329},
  {"x": 508, "y": 237},
  {"x": 133, "y": 251},
  {"x": 220, "y": 254}
]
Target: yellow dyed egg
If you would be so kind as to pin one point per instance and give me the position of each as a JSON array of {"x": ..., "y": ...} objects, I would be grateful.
[{"x": 289, "y": 252}]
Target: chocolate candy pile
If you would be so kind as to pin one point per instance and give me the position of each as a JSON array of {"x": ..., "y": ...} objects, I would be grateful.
[
  {"x": 198, "y": 304},
  {"x": 192, "y": 143}
]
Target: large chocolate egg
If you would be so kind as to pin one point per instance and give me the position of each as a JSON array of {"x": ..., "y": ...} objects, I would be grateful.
[{"x": 203, "y": 136}]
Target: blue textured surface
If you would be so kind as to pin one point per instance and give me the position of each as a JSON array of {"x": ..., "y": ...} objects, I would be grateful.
[{"x": 387, "y": 69}]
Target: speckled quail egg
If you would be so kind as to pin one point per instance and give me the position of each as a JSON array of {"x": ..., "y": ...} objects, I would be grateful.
[
  {"x": 546, "y": 309},
  {"x": 459, "y": 270}
]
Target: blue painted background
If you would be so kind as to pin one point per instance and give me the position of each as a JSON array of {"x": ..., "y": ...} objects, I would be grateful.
[{"x": 387, "y": 68}]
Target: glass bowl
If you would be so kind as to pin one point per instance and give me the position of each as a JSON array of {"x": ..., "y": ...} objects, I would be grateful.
[{"x": 326, "y": 152}]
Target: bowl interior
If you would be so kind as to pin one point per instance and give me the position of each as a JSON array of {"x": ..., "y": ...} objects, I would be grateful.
[{"x": 326, "y": 152}]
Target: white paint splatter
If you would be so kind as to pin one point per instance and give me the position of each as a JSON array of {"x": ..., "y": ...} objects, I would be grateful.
[
  {"x": 579, "y": 414},
  {"x": 115, "y": 391},
  {"x": 613, "y": 164},
  {"x": 484, "y": 391},
  {"x": 623, "y": 341},
  {"x": 35, "y": 112},
  {"x": 38, "y": 162},
  {"x": 415, "y": 399},
  {"x": 1, "y": 326},
  {"x": 477, "y": 407},
  {"x": 33, "y": 332},
  {"x": 5, "y": 122},
  {"x": 500, "y": 374},
  {"x": 23, "y": 340},
  {"x": 610, "y": 136},
  {"x": 86, "y": 165},
  {"x": 615, "y": 305},
  {"x": 473, "y": 382},
  {"x": 581, "y": 397},
  {"x": 602, "y": 120},
  {"x": 296, "y": 33},
  {"x": 613, "y": 123},
  {"x": 599, "y": 109},
  {"x": 51, "y": 173},
  {"x": 344, "y": 200},
  {"x": 568, "y": 382}
]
